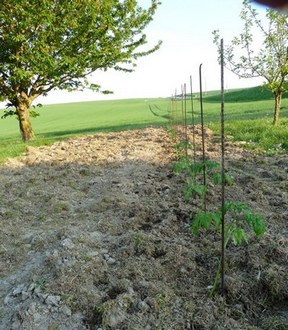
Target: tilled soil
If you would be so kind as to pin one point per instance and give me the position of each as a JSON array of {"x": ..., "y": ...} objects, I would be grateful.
[{"x": 95, "y": 234}]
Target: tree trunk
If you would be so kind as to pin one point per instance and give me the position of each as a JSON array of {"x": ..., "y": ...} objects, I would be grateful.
[
  {"x": 277, "y": 105},
  {"x": 24, "y": 121}
]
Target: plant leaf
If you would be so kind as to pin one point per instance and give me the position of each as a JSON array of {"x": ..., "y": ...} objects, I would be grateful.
[
  {"x": 239, "y": 235},
  {"x": 217, "y": 217},
  {"x": 182, "y": 164},
  {"x": 257, "y": 223},
  {"x": 238, "y": 207},
  {"x": 228, "y": 180},
  {"x": 210, "y": 165},
  {"x": 217, "y": 178},
  {"x": 202, "y": 219},
  {"x": 196, "y": 168},
  {"x": 192, "y": 189}
]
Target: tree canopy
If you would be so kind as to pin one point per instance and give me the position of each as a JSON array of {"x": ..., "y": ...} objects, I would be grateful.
[
  {"x": 57, "y": 44},
  {"x": 247, "y": 59}
]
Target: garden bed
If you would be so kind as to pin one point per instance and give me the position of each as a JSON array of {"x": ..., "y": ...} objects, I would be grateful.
[{"x": 95, "y": 234}]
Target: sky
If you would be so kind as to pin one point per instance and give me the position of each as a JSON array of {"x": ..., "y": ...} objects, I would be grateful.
[{"x": 185, "y": 28}]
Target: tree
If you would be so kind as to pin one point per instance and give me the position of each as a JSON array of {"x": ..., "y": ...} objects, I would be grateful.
[
  {"x": 270, "y": 60},
  {"x": 57, "y": 44}
]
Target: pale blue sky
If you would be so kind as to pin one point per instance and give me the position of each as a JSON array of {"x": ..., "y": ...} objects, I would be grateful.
[{"x": 185, "y": 27}]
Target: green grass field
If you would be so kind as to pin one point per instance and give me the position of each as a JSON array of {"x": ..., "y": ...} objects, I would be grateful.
[
  {"x": 249, "y": 114},
  {"x": 58, "y": 122},
  {"x": 248, "y": 117}
]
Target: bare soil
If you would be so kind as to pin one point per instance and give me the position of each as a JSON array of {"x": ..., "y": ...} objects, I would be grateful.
[{"x": 95, "y": 234}]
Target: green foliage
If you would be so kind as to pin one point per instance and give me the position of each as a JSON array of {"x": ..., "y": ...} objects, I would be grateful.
[
  {"x": 217, "y": 179},
  {"x": 184, "y": 164},
  {"x": 240, "y": 214},
  {"x": 239, "y": 219},
  {"x": 181, "y": 147},
  {"x": 244, "y": 57},
  {"x": 205, "y": 219},
  {"x": 8, "y": 112},
  {"x": 238, "y": 236},
  {"x": 257, "y": 223},
  {"x": 193, "y": 189},
  {"x": 50, "y": 44},
  {"x": 12, "y": 112},
  {"x": 196, "y": 169}
]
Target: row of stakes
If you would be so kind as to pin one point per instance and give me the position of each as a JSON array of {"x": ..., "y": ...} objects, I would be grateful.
[{"x": 181, "y": 128}]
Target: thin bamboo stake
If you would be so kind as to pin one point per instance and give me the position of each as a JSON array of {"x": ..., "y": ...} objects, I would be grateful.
[
  {"x": 182, "y": 111},
  {"x": 203, "y": 137},
  {"x": 185, "y": 121},
  {"x": 222, "y": 172},
  {"x": 176, "y": 112},
  {"x": 193, "y": 122}
]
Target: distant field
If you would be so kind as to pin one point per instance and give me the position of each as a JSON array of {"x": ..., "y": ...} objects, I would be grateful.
[
  {"x": 62, "y": 121},
  {"x": 249, "y": 114}
]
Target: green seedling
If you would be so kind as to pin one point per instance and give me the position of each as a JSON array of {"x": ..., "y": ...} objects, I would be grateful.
[
  {"x": 182, "y": 148},
  {"x": 184, "y": 165},
  {"x": 241, "y": 220},
  {"x": 195, "y": 171}
]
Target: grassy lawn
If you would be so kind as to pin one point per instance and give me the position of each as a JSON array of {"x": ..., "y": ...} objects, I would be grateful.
[
  {"x": 249, "y": 114},
  {"x": 248, "y": 117}
]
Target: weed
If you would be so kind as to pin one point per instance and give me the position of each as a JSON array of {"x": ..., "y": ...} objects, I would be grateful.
[
  {"x": 82, "y": 239},
  {"x": 61, "y": 206},
  {"x": 87, "y": 258},
  {"x": 96, "y": 317},
  {"x": 70, "y": 300},
  {"x": 41, "y": 217},
  {"x": 84, "y": 171},
  {"x": 10, "y": 214},
  {"x": 41, "y": 283},
  {"x": 162, "y": 301},
  {"x": 138, "y": 241}
]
